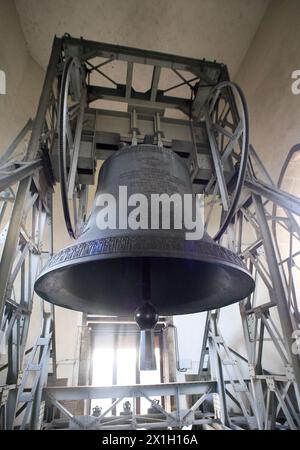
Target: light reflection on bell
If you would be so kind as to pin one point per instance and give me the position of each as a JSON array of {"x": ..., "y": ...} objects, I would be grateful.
[{"x": 102, "y": 272}]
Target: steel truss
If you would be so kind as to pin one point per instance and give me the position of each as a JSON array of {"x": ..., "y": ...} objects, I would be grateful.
[
  {"x": 212, "y": 137},
  {"x": 160, "y": 419}
]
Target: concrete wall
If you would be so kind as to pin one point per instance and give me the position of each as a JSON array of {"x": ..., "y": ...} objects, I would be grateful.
[
  {"x": 265, "y": 76},
  {"x": 24, "y": 76}
]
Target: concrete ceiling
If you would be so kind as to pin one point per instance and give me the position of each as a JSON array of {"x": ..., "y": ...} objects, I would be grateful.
[{"x": 213, "y": 29}]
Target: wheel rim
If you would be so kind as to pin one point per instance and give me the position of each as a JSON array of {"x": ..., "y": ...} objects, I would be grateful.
[
  {"x": 228, "y": 135},
  {"x": 72, "y": 88}
]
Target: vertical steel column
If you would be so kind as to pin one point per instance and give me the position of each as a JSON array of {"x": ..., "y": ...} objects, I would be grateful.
[
  {"x": 279, "y": 293},
  {"x": 218, "y": 371},
  {"x": 36, "y": 404},
  {"x": 256, "y": 384},
  {"x": 12, "y": 237},
  {"x": 52, "y": 307}
]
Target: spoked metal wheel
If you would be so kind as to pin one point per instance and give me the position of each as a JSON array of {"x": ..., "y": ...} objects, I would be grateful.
[
  {"x": 286, "y": 233},
  {"x": 227, "y": 122},
  {"x": 285, "y": 182},
  {"x": 72, "y": 102}
]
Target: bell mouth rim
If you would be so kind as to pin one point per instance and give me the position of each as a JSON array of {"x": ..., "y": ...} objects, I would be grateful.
[
  {"x": 191, "y": 307},
  {"x": 149, "y": 254},
  {"x": 173, "y": 259},
  {"x": 134, "y": 246}
]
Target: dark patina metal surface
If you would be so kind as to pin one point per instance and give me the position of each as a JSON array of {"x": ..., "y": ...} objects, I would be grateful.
[{"x": 102, "y": 272}]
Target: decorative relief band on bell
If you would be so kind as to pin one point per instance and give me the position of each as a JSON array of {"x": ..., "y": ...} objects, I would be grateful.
[{"x": 125, "y": 244}]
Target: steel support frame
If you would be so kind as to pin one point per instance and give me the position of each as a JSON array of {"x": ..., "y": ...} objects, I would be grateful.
[
  {"x": 165, "y": 419},
  {"x": 23, "y": 171},
  {"x": 257, "y": 320},
  {"x": 261, "y": 322},
  {"x": 209, "y": 74}
]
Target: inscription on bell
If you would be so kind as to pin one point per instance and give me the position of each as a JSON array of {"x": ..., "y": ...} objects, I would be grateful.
[{"x": 149, "y": 180}]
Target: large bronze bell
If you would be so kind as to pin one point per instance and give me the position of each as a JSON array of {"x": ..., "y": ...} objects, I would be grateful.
[{"x": 114, "y": 271}]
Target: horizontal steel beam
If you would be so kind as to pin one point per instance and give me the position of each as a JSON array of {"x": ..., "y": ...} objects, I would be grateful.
[
  {"x": 89, "y": 49},
  {"x": 20, "y": 136},
  {"x": 19, "y": 174},
  {"x": 90, "y": 392},
  {"x": 143, "y": 114},
  {"x": 281, "y": 198},
  {"x": 165, "y": 424},
  {"x": 138, "y": 98}
]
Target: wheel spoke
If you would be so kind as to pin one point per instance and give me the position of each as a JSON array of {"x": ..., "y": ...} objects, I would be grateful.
[
  {"x": 230, "y": 146},
  {"x": 214, "y": 100},
  {"x": 74, "y": 110},
  {"x": 212, "y": 202},
  {"x": 227, "y": 125},
  {"x": 217, "y": 163},
  {"x": 223, "y": 131}
]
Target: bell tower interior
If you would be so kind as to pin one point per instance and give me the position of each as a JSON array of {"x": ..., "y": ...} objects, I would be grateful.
[{"x": 149, "y": 222}]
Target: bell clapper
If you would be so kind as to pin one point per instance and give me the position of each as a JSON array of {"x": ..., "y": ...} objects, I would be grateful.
[{"x": 146, "y": 316}]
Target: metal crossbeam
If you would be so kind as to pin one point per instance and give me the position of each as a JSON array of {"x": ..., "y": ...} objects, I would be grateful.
[{"x": 89, "y": 392}]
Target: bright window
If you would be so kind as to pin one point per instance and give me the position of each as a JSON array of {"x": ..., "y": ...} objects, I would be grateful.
[{"x": 115, "y": 361}]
